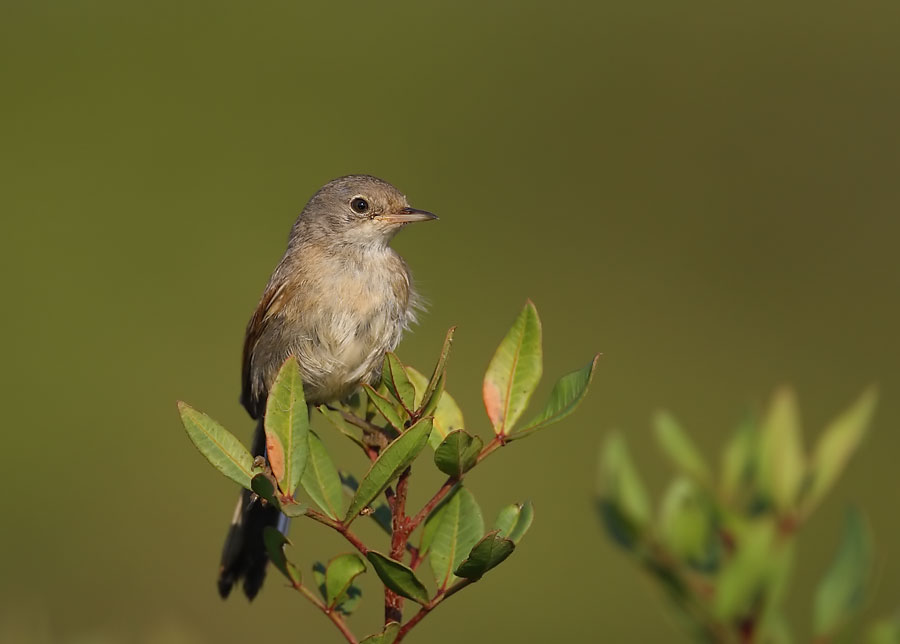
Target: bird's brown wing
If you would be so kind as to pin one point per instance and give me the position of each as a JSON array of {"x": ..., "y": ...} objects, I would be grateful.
[{"x": 269, "y": 305}]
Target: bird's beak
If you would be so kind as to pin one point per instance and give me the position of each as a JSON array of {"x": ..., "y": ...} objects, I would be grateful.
[{"x": 407, "y": 216}]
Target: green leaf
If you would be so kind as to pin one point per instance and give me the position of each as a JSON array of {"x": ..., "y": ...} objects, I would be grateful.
[
  {"x": 287, "y": 425},
  {"x": 491, "y": 551},
  {"x": 321, "y": 480},
  {"x": 782, "y": 465},
  {"x": 275, "y": 542},
  {"x": 397, "y": 381},
  {"x": 458, "y": 453},
  {"x": 625, "y": 507},
  {"x": 514, "y": 520},
  {"x": 339, "y": 576},
  {"x": 514, "y": 372},
  {"x": 387, "y": 636},
  {"x": 385, "y": 407},
  {"x": 434, "y": 388},
  {"x": 884, "y": 631},
  {"x": 744, "y": 575},
  {"x": 399, "y": 578},
  {"x": 433, "y": 521},
  {"x": 686, "y": 522},
  {"x": 738, "y": 461},
  {"x": 567, "y": 394},
  {"x": 840, "y": 594},
  {"x": 837, "y": 444},
  {"x": 223, "y": 451},
  {"x": 334, "y": 417},
  {"x": 456, "y": 529},
  {"x": 447, "y": 414},
  {"x": 381, "y": 513},
  {"x": 680, "y": 448},
  {"x": 391, "y": 462}
]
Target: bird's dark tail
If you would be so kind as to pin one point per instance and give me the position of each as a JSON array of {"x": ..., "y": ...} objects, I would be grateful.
[{"x": 244, "y": 555}]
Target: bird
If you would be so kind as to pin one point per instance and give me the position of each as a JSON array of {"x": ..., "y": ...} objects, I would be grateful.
[{"x": 339, "y": 300}]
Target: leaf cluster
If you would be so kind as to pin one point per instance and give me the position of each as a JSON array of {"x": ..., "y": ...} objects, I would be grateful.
[
  {"x": 722, "y": 547},
  {"x": 392, "y": 424}
]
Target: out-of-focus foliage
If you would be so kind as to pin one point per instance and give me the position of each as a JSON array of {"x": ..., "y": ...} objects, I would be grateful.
[{"x": 723, "y": 548}]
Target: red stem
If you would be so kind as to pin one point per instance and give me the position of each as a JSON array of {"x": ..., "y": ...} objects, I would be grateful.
[
  {"x": 331, "y": 614},
  {"x": 427, "y": 608},
  {"x": 422, "y": 514},
  {"x": 340, "y": 527},
  {"x": 393, "y": 603}
]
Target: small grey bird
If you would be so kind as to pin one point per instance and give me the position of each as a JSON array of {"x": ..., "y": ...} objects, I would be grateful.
[{"x": 340, "y": 299}]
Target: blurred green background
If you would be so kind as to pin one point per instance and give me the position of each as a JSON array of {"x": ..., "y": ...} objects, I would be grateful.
[{"x": 706, "y": 193}]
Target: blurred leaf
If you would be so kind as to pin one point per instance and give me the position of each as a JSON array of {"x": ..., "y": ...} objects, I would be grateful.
[
  {"x": 334, "y": 417},
  {"x": 428, "y": 398},
  {"x": 680, "y": 448},
  {"x": 387, "y": 636},
  {"x": 398, "y": 577},
  {"x": 218, "y": 445},
  {"x": 447, "y": 414},
  {"x": 567, "y": 394},
  {"x": 781, "y": 464},
  {"x": 457, "y": 528},
  {"x": 514, "y": 371},
  {"x": 458, "y": 453},
  {"x": 738, "y": 460},
  {"x": 624, "y": 505},
  {"x": 339, "y": 575},
  {"x": 838, "y": 443},
  {"x": 287, "y": 425},
  {"x": 686, "y": 522},
  {"x": 514, "y": 520},
  {"x": 321, "y": 480},
  {"x": 262, "y": 485},
  {"x": 385, "y": 407},
  {"x": 885, "y": 631},
  {"x": 744, "y": 575},
  {"x": 275, "y": 542},
  {"x": 491, "y": 551},
  {"x": 391, "y": 462},
  {"x": 840, "y": 594},
  {"x": 397, "y": 381}
]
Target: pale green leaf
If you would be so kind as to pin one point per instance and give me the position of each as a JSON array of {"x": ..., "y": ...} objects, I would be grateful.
[
  {"x": 566, "y": 395},
  {"x": 321, "y": 480},
  {"x": 841, "y": 593},
  {"x": 447, "y": 414},
  {"x": 287, "y": 424},
  {"x": 514, "y": 372},
  {"x": 837, "y": 444},
  {"x": 223, "y": 451},
  {"x": 396, "y": 380},
  {"x": 782, "y": 465},
  {"x": 339, "y": 576},
  {"x": 678, "y": 446},
  {"x": 514, "y": 520}
]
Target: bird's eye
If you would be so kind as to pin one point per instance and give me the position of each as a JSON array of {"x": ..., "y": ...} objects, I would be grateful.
[{"x": 359, "y": 205}]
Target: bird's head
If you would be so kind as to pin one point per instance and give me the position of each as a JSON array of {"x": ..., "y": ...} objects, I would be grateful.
[{"x": 358, "y": 209}]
